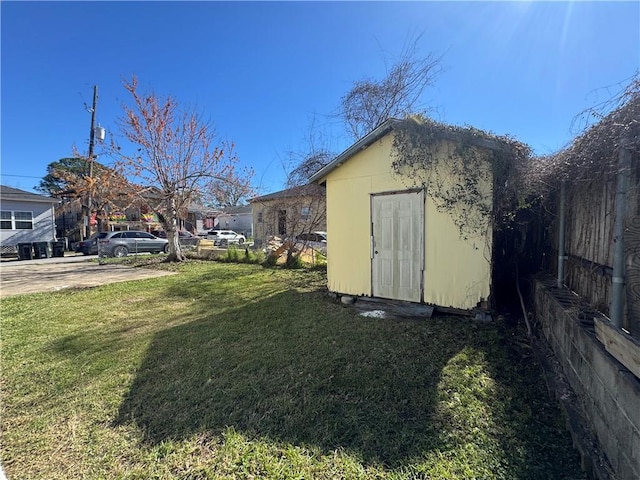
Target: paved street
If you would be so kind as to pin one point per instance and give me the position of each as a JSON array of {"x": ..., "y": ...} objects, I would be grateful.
[{"x": 53, "y": 274}]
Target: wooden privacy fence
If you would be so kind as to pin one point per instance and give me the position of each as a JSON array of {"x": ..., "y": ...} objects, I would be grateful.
[
  {"x": 632, "y": 245},
  {"x": 590, "y": 243}
]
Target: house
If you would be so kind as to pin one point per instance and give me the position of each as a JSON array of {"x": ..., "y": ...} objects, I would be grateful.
[
  {"x": 239, "y": 219},
  {"x": 69, "y": 219},
  {"x": 413, "y": 226},
  {"x": 128, "y": 212},
  {"x": 25, "y": 217},
  {"x": 117, "y": 212},
  {"x": 200, "y": 219},
  {"x": 288, "y": 213}
]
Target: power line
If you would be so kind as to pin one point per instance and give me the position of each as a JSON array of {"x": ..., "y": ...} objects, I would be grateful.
[{"x": 20, "y": 176}]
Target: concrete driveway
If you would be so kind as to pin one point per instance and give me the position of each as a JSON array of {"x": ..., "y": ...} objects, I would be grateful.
[{"x": 53, "y": 274}]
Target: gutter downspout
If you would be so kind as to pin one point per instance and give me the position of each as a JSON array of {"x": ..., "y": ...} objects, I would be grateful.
[
  {"x": 616, "y": 309},
  {"x": 53, "y": 222},
  {"x": 561, "y": 232}
]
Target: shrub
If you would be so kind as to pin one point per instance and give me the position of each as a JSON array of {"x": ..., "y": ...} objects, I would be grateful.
[
  {"x": 239, "y": 255},
  {"x": 293, "y": 261}
]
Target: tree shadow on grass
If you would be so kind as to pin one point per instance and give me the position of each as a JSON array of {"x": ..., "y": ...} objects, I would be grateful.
[
  {"x": 328, "y": 381},
  {"x": 297, "y": 369}
]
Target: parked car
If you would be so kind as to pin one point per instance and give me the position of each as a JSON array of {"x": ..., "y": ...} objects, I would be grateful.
[
  {"x": 317, "y": 237},
  {"x": 315, "y": 240},
  {"x": 186, "y": 238},
  {"x": 88, "y": 246},
  {"x": 120, "y": 244},
  {"x": 225, "y": 237}
]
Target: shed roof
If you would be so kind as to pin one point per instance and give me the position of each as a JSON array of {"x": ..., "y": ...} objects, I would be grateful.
[
  {"x": 15, "y": 194},
  {"x": 480, "y": 139}
]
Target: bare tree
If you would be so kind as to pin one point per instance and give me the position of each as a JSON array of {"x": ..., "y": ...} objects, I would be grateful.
[
  {"x": 315, "y": 155},
  {"x": 108, "y": 190},
  {"x": 309, "y": 165},
  {"x": 231, "y": 189},
  {"x": 371, "y": 102},
  {"x": 62, "y": 181},
  {"x": 69, "y": 180},
  {"x": 177, "y": 154},
  {"x": 367, "y": 105}
]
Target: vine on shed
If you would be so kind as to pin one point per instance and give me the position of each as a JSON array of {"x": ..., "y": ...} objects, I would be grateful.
[{"x": 457, "y": 166}]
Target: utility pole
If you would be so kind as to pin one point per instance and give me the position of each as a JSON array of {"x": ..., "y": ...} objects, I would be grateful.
[{"x": 91, "y": 144}]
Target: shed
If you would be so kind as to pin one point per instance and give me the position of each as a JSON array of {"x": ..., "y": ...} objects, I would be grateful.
[{"x": 395, "y": 232}]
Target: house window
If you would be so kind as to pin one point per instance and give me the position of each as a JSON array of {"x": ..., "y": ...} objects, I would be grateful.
[
  {"x": 304, "y": 212},
  {"x": 10, "y": 220},
  {"x": 259, "y": 217},
  {"x": 23, "y": 220},
  {"x": 5, "y": 220}
]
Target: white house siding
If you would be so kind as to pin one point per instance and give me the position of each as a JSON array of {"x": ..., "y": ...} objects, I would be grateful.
[
  {"x": 43, "y": 223},
  {"x": 240, "y": 223}
]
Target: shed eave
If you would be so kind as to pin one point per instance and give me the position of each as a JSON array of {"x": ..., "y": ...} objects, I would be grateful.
[{"x": 373, "y": 136}]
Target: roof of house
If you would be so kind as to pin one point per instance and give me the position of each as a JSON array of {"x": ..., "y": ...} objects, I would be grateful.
[
  {"x": 307, "y": 190},
  {"x": 480, "y": 139},
  {"x": 239, "y": 210},
  {"x": 10, "y": 193}
]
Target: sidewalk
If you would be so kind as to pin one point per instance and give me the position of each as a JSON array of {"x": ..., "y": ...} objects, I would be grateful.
[
  {"x": 74, "y": 271},
  {"x": 68, "y": 257}
]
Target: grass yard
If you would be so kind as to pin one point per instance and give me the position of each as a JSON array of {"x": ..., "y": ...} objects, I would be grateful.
[{"x": 236, "y": 371}]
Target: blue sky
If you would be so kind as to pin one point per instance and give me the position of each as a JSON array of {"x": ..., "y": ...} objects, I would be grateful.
[{"x": 261, "y": 71}]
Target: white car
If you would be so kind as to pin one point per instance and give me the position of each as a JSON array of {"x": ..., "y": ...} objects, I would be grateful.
[
  {"x": 315, "y": 240},
  {"x": 226, "y": 237}
]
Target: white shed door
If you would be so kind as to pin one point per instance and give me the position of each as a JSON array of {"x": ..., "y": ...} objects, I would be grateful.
[{"x": 397, "y": 245}]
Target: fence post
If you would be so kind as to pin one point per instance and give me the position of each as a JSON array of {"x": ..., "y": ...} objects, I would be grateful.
[{"x": 616, "y": 309}]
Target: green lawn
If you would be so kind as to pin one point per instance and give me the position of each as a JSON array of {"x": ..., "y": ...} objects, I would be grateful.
[{"x": 236, "y": 371}]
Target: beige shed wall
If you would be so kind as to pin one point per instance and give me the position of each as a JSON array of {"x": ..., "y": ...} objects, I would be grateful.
[{"x": 457, "y": 272}]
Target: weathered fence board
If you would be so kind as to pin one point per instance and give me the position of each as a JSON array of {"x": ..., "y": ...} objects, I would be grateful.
[
  {"x": 589, "y": 244},
  {"x": 620, "y": 345}
]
